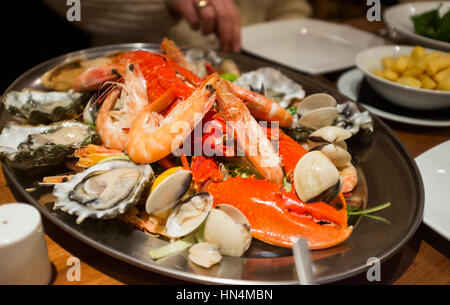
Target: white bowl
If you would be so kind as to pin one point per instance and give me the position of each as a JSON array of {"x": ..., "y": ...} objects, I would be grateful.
[
  {"x": 405, "y": 96},
  {"x": 399, "y": 17}
]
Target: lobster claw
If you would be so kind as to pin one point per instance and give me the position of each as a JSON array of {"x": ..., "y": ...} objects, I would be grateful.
[
  {"x": 279, "y": 218},
  {"x": 204, "y": 170}
]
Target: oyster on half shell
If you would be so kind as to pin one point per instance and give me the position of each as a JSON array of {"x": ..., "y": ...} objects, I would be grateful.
[
  {"x": 25, "y": 146},
  {"x": 45, "y": 107},
  {"x": 104, "y": 190},
  {"x": 273, "y": 84}
]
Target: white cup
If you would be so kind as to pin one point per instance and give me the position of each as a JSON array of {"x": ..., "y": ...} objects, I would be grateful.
[{"x": 23, "y": 250}]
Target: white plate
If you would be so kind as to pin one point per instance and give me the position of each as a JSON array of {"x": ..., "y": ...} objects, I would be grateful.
[
  {"x": 434, "y": 166},
  {"x": 349, "y": 84},
  {"x": 308, "y": 45},
  {"x": 399, "y": 17}
]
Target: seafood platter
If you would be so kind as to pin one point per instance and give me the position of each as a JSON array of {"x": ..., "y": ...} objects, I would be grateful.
[{"x": 207, "y": 166}]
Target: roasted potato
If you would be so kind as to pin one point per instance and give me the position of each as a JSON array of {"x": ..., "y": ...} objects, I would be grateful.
[{"x": 418, "y": 70}]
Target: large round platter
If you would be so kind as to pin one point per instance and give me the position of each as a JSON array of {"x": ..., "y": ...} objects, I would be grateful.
[{"x": 388, "y": 173}]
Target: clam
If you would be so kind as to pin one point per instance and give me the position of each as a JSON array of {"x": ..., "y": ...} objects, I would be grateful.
[
  {"x": 316, "y": 111},
  {"x": 104, "y": 190},
  {"x": 229, "y": 229},
  {"x": 351, "y": 119},
  {"x": 204, "y": 254},
  {"x": 319, "y": 118},
  {"x": 44, "y": 107},
  {"x": 25, "y": 146},
  {"x": 329, "y": 135},
  {"x": 315, "y": 101},
  {"x": 167, "y": 190},
  {"x": 338, "y": 155},
  {"x": 316, "y": 178},
  {"x": 188, "y": 215}
]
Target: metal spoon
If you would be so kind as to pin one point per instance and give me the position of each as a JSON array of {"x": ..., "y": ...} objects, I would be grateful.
[{"x": 303, "y": 262}]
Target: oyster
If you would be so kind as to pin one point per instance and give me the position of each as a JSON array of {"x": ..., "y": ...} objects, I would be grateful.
[
  {"x": 104, "y": 190},
  {"x": 273, "y": 84},
  {"x": 25, "y": 146},
  {"x": 61, "y": 77},
  {"x": 198, "y": 57},
  {"x": 44, "y": 107}
]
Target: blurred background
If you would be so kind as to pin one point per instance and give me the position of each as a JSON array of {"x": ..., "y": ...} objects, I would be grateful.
[{"x": 33, "y": 32}]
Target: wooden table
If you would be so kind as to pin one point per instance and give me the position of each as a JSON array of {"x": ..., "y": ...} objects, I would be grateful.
[{"x": 424, "y": 260}]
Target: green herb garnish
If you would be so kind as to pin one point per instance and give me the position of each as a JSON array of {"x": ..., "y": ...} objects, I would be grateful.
[
  {"x": 173, "y": 248},
  {"x": 229, "y": 76},
  {"x": 234, "y": 170},
  {"x": 430, "y": 24},
  {"x": 292, "y": 110},
  {"x": 353, "y": 211},
  {"x": 286, "y": 184}
]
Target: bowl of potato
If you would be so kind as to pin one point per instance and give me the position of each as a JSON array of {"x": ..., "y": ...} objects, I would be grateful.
[{"x": 412, "y": 77}]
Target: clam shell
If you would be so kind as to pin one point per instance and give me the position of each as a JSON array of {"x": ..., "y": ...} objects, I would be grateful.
[
  {"x": 338, "y": 155},
  {"x": 319, "y": 118},
  {"x": 188, "y": 215},
  {"x": 168, "y": 193},
  {"x": 328, "y": 134},
  {"x": 63, "y": 190},
  {"x": 229, "y": 229},
  {"x": 352, "y": 119},
  {"x": 315, "y": 101},
  {"x": 314, "y": 175},
  {"x": 273, "y": 81}
]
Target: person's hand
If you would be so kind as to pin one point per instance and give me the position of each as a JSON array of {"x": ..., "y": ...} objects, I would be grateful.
[{"x": 218, "y": 16}]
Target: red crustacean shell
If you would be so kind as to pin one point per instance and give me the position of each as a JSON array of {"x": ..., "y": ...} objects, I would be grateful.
[
  {"x": 279, "y": 218},
  {"x": 160, "y": 73}
]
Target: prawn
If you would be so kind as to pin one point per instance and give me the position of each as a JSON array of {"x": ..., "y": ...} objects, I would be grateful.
[
  {"x": 120, "y": 108},
  {"x": 350, "y": 178},
  {"x": 263, "y": 108},
  {"x": 152, "y": 137},
  {"x": 260, "y": 107},
  {"x": 249, "y": 135}
]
